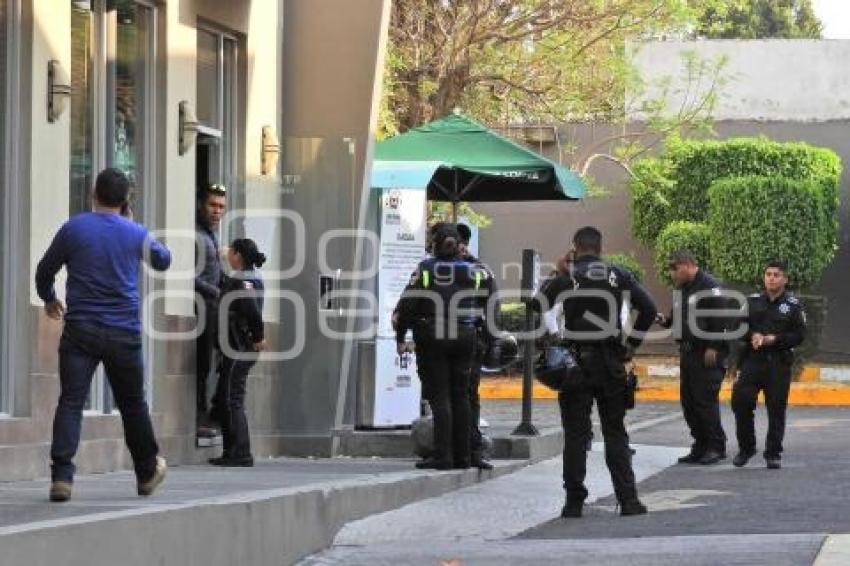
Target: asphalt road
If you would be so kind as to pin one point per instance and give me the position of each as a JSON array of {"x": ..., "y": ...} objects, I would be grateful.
[
  {"x": 808, "y": 495},
  {"x": 699, "y": 516}
]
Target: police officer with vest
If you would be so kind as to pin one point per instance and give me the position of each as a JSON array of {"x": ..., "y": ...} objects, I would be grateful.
[
  {"x": 592, "y": 293},
  {"x": 702, "y": 355},
  {"x": 443, "y": 298},
  {"x": 776, "y": 325},
  {"x": 485, "y": 339}
]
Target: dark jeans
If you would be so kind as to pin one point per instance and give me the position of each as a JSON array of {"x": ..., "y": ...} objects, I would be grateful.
[
  {"x": 206, "y": 346},
  {"x": 230, "y": 408},
  {"x": 699, "y": 392},
  {"x": 770, "y": 373},
  {"x": 604, "y": 380},
  {"x": 81, "y": 348},
  {"x": 447, "y": 364}
]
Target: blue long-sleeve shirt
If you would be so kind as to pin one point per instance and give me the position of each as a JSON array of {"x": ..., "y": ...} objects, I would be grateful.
[{"x": 101, "y": 252}]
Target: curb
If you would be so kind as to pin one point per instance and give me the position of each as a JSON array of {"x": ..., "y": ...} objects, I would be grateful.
[
  {"x": 654, "y": 390},
  {"x": 278, "y": 526},
  {"x": 834, "y": 552}
]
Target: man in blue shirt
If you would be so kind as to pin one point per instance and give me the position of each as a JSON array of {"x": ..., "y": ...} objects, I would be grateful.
[{"x": 101, "y": 251}]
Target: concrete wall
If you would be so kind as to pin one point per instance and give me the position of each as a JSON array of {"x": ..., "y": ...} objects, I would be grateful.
[
  {"x": 332, "y": 65},
  {"x": 774, "y": 80}
]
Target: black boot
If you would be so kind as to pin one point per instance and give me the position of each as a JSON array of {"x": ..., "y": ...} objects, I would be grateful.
[
  {"x": 633, "y": 507},
  {"x": 572, "y": 509},
  {"x": 433, "y": 464},
  {"x": 709, "y": 458},
  {"x": 690, "y": 458},
  {"x": 230, "y": 462},
  {"x": 741, "y": 458}
]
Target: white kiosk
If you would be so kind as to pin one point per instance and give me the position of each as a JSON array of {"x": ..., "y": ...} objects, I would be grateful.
[{"x": 389, "y": 388}]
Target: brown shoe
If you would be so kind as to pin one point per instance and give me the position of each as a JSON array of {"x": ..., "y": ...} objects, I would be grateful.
[
  {"x": 60, "y": 491},
  {"x": 148, "y": 487}
]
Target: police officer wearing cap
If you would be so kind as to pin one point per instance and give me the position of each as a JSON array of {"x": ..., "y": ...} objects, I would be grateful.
[
  {"x": 702, "y": 355},
  {"x": 445, "y": 295},
  {"x": 776, "y": 325},
  {"x": 485, "y": 338},
  {"x": 592, "y": 293}
]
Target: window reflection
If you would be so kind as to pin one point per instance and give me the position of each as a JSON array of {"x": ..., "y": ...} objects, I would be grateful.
[
  {"x": 81, "y": 106},
  {"x": 130, "y": 77}
]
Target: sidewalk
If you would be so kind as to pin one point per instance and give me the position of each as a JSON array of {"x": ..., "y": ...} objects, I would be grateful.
[
  {"x": 659, "y": 381},
  {"x": 274, "y": 513}
]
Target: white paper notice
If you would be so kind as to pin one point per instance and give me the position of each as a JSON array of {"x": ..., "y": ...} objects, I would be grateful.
[
  {"x": 402, "y": 248},
  {"x": 397, "y": 387}
]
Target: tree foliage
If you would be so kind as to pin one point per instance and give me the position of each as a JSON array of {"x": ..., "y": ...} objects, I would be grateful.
[
  {"x": 517, "y": 61},
  {"x": 759, "y": 19}
]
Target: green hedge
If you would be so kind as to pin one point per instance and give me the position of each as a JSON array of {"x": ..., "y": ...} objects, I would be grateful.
[
  {"x": 677, "y": 187},
  {"x": 650, "y": 210},
  {"x": 628, "y": 262},
  {"x": 755, "y": 219},
  {"x": 682, "y": 235},
  {"x": 696, "y": 165}
]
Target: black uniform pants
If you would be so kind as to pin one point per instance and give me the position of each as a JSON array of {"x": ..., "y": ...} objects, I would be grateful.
[
  {"x": 477, "y": 440},
  {"x": 604, "y": 380},
  {"x": 447, "y": 364},
  {"x": 771, "y": 373},
  {"x": 699, "y": 392},
  {"x": 206, "y": 346},
  {"x": 421, "y": 351},
  {"x": 230, "y": 393}
]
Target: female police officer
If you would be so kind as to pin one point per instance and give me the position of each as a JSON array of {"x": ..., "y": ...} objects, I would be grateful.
[{"x": 444, "y": 293}]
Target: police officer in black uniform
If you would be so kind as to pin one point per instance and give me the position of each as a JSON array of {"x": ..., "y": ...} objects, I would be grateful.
[
  {"x": 592, "y": 293},
  {"x": 448, "y": 340},
  {"x": 484, "y": 339},
  {"x": 702, "y": 356},
  {"x": 418, "y": 325},
  {"x": 245, "y": 339},
  {"x": 776, "y": 325}
]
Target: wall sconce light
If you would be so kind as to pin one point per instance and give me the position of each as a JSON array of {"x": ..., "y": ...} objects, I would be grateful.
[
  {"x": 188, "y": 126},
  {"x": 271, "y": 151},
  {"x": 58, "y": 90}
]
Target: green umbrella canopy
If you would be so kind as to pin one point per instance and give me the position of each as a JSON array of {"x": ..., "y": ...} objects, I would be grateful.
[{"x": 478, "y": 165}]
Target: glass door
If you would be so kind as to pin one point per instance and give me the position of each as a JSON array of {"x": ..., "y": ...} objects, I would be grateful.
[
  {"x": 217, "y": 142},
  {"x": 112, "y": 114}
]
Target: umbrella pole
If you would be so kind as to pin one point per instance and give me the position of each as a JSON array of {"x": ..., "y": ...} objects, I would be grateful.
[{"x": 456, "y": 196}]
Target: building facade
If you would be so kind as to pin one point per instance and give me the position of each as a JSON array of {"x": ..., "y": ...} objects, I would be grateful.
[{"x": 273, "y": 98}]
